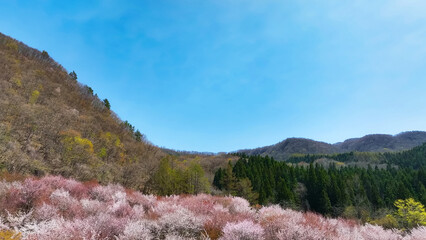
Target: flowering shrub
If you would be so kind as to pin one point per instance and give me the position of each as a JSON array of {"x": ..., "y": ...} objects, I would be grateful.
[
  {"x": 417, "y": 233},
  {"x": 239, "y": 205},
  {"x": 141, "y": 229},
  {"x": 247, "y": 230},
  {"x": 57, "y": 208},
  {"x": 181, "y": 222}
]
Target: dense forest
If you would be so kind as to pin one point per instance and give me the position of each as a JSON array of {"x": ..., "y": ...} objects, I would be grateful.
[
  {"x": 414, "y": 158},
  {"x": 352, "y": 191}
]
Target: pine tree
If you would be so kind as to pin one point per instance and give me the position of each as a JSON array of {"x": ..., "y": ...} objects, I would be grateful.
[
  {"x": 218, "y": 178},
  {"x": 283, "y": 192},
  {"x": 324, "y": 205},
  {"x": 107, "y": 104},
  {"x": 229, "y": 180},
  {"x": 139, "y": 136},
  {"x": 73, "y": 75},
  {"x": 245, "y": 190}
]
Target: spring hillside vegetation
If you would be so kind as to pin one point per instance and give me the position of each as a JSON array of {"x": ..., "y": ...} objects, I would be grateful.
[{"x": 50, "y": 123}]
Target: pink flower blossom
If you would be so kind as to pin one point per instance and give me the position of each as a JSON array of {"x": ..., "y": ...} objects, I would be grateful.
[
  {"x": 54, "y": 208},
  {"x": 245, "y": 230}
]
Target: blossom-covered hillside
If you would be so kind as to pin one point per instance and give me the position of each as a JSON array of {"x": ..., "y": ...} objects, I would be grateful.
[{"x": 58, "y": 208}]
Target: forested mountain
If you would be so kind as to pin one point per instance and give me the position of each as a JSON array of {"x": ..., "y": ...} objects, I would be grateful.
[
  {"x": 50, "y": 123},
  {"x": 383, "y": 142},
  {"x": 360, "y": 192},
  {"x": 286, "y": 148},
  {"x": 413, "y": 158},
  {"x": 369, "y": 143}
]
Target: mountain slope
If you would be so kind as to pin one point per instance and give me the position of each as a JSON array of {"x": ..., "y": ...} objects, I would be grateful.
[
  {"x": 50, "y": 123},
  {"x": 286, "y": 148},
  {"x": 383, "y": 142},
  {"x": 369, "y": 143}
]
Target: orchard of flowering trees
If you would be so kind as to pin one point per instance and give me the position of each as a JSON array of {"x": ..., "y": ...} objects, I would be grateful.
[{"x": 57, "y": 208}]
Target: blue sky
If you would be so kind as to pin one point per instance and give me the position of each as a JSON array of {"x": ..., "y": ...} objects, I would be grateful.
[{"x": 212, "y": 75}]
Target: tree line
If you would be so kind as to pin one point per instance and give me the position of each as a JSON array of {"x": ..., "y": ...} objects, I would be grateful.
[
  {"x": 335, "y": 191},
  {"x": 414, "y": 158}
]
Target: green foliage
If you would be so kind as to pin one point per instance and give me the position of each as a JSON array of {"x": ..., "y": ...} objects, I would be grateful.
[
  {"x": 77, "y": 150},
  {"x": 414, "y": 158},
  {"x": 175, "y": 177},
  {"x": 388, "y": 222},
  {"x": 129, "y": 126},
  {"x": 107, "y": 104},
  {"x": 44, "y": 54},
  {"x": 229, "y": 180},
  {"x": 89, "y": 90},
  {"x": 194, "y": 178},
  {"x": 73, "y": 75},
  {"x": 410, "y": 214},
  {"x": 34, "y": 97},
  {"x": 136, "y": 134},
  {"x": 350, "y": 212},
  {"x": 111, "y": 149},
  {"x": 139, "y": 136},
  {"x": 103, "y": 152},
  {"x": 352, "y": 192},
  {"x": 244, "y": 189},
  {"x": 164, "y": 179},
  {"x": 324, "y": 205},
  {"x": 218, "y": 179}
]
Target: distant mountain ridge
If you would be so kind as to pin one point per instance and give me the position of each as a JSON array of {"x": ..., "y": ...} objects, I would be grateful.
[
  {"x": 383, "y": 142},
  {"x": 369, "y": 143}
]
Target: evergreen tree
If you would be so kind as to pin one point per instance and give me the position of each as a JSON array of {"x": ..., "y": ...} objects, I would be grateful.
[
  {"x": 348, "y": 191},
  {"x": 283, "y": 192},
  {"x": 324, "y": 205},
  {"x": 107, "y": 104},
  {"x": 245, "y": 190},
  {"x": 218, "y": 178},
  {"x": 73, "y": 75},
  {"x": 229, "y": 180},
  {"x": 139, "y": 136}
]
